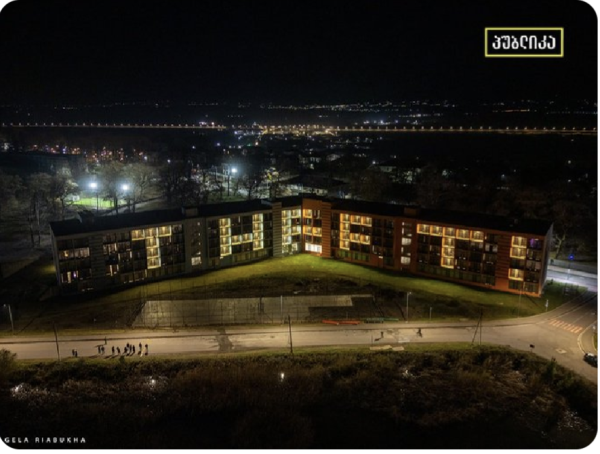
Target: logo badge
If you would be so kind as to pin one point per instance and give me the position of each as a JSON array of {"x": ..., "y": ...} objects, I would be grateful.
[{"x": 519, "y": 42}]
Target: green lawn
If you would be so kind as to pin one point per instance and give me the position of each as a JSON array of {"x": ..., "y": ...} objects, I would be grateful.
[
  {"x": 430, "y": 300},
  {"x": 90, "y": 203},
  {"x": 249, "y": 279}
]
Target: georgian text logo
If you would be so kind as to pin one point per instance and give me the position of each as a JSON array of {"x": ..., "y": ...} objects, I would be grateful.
[{"x": 531, "y": 42}]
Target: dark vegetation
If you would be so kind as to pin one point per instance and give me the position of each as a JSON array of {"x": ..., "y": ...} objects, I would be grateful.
[{"x": 426, "y": 397}]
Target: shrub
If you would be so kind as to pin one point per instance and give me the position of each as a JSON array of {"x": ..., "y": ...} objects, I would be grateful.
[{"x": 7, "y": 366}]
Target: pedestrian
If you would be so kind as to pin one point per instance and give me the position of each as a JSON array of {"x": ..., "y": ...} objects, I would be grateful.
[
  {"x": 98, "y": 349},
  {"x": 133, "y": 349},
  {"x": 113, "y": 350},
  {"x": 102, "y": 348},
  {"x": 140, "y": 346},
  {"x": 104, "y": 340},
  {"x": 75, "y": 353},
  {"x": 118, "y": 351},
  {"x": 146, "y": 349}
]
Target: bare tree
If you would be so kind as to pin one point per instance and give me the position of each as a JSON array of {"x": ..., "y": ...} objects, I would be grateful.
[
  {"x": 60, "y": 188},
  {"x": 10, "y": 185},
  {"x": 250, "y": 183},
  {"x": 111, "y": 174},
  {"x": 172, "y": 181},
  {"x": 140, "y": 175},
  {"x": 38, "y": 189}
]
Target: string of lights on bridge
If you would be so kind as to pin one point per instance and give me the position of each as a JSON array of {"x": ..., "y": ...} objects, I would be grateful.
[{"x": 316, "y": 128}]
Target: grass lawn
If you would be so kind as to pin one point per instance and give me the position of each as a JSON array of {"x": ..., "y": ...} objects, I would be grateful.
[
  {"x": 429, "y": 299},
  {"x": 90, "y": 203}
]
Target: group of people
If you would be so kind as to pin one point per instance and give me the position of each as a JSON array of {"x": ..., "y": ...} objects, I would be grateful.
[{"x": 128, "y": 350}]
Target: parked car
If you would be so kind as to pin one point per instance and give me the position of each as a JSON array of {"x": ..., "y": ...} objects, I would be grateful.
[{"x": 591, "y": 359}]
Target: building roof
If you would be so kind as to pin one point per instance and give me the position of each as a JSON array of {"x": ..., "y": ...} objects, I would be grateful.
[
  {"x": 91, "y": 223},
  {"x": 484, "y": 221},
  {"x": 361, "y": 206},
  {"x": 457, "y": 218},
  {"x": 228, "y": 208}
]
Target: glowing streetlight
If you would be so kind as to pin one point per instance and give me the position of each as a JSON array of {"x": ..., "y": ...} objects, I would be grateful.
[
  {"x": 94, "y": 187},
  {"x": 125, "y": 188},
  {"x": 229, "y": 172}
]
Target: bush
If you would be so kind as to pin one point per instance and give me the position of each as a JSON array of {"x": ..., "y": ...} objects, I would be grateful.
[{"x": 7, "y": 366}]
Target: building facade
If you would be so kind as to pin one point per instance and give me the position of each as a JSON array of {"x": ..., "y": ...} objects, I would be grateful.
[{"x": 493, "y": 252}]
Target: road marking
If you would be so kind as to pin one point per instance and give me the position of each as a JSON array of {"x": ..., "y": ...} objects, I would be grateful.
[{"x": 565, "y": 326}]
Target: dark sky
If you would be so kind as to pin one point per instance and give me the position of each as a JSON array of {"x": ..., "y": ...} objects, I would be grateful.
[{"x": 282, "y": 51}]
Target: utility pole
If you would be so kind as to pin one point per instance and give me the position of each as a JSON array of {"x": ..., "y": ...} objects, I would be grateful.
[
  {"x": 56, "y": 340},
  {"x": 479, "y": 327},
  {"x": 12, "y": 324},
  {"x": 290, "y": 325}
]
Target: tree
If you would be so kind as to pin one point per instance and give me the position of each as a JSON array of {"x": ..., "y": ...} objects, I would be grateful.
[
  {"x": 38, "y": 190},
  {"x": 372, "y": 185},
  {"x": 571, "y": 215},
  {"x": 250, "y": 182},
  {"x": 10, "y": 186},
  {"x": 61, "y": 187},
  {"x": 111, "y": 175},
  {"x": 140, "y": 175},
  {"x": 206, "y": 184},
  {"x": 435, "y": 189},
  {"x": 172, "y": 181}
]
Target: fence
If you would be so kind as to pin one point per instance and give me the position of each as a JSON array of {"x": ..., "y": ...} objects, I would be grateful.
[{"x": 259, "y": 310}]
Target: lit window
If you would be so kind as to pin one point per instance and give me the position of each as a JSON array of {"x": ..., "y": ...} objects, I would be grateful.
[
  {"x": 448, "y": 262},
  {"x": 477, "y": 235},
  {"x": 515, "y": 274},
  {"x": 449, "y": 231},
  {"x": 436, "y": 230},
  {"x": 313, "y": 248},
  {"x": 423, "y": 228},
  {"x": 519, "y": 241},
  {"x": 518, "y": 252},
  {"x": 463, "y": 234}
]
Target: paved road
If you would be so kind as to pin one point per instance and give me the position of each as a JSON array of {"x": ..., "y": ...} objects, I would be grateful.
[
  {"x": 574, "y": 277},
  {"x": 563, "y": 334}
]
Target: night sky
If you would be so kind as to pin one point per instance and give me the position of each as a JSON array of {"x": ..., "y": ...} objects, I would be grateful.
[{"x": 285, "y": 52}]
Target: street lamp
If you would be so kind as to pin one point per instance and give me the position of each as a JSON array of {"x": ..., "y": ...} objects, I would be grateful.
[
  {"x": 125, "y": 188},
  {"x": 12, "y": 325},
  {"x": 407, "y": 295},
  {"x": 94, "y": 186},
  {"x": 229, "y": 172}
]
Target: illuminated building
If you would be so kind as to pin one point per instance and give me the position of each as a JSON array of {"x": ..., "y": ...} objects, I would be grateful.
[{"x": 494, "y": 252}]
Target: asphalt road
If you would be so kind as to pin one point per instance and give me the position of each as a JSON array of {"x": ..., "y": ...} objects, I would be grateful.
[
  {"x": 574, "y": 277},
  {"x": 564, "y": 334}
]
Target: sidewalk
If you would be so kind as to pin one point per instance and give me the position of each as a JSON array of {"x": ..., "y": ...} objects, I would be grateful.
[
  {"x": 573, "y": 272},
  {"x": 568, "y": 264}
]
